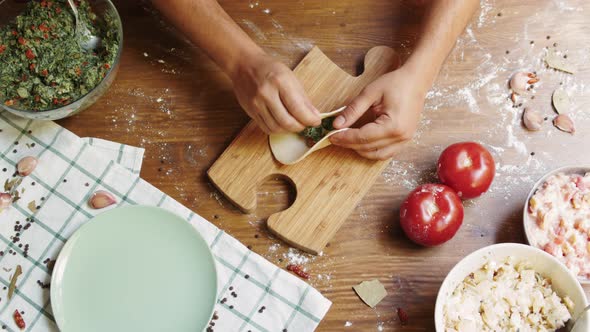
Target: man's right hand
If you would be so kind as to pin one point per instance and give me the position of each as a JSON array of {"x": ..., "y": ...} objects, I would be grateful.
[{"x": 272, "y": 96}]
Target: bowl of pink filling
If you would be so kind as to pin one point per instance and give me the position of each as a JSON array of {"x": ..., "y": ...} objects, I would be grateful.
[{"x": 557, "y": 218}]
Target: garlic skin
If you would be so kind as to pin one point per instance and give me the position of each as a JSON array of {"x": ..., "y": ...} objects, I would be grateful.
[
  {"x": 532, "y": 120},
  {"x": 564, "y": 123},
  {"x": 518, "y": 82},
  {"x": 5, "y": 201},
  {"x": 101, "y": 199},
  {"x": 561, "y": 101},
  {"x": 26, "y": 166}
]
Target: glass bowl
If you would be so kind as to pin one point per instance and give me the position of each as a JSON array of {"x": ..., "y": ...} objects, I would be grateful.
[
  {"x": 10, "y": 9},
  {"x": 528, "y": 221}
]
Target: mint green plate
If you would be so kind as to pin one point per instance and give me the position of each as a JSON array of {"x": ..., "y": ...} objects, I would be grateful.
[{"x": 134, "y": 268}]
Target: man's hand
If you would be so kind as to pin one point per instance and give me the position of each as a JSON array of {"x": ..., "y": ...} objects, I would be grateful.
[
  {"x": 395, "y": 101},
  {"x": 272, "y": 96}
]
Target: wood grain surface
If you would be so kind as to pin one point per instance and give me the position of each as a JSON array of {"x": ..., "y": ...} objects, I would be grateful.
[
  {"x": 328, "y": 183},
  {"x": 184, "y": 113}
]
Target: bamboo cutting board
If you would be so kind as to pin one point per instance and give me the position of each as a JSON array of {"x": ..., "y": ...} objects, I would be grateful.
[{"x": 330, "y": 182}]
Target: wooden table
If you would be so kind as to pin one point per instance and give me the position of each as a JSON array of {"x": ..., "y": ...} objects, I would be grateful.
[{"x": 172, "y": 100}]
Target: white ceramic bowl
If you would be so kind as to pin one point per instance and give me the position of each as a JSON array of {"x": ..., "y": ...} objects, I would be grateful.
[
  {"x": 525, "y": 214},
  {"x": 564, "y": 281}
]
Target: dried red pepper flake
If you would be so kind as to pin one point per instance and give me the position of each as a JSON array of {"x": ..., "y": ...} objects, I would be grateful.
[
  {"x": 37, "y": 98},
  {"x": 14, "y": 33},
  {"x": 78, "y": 71},
  {"x": 22, "y": 41},
  {"x": 58, "y": 10},
  {"x": 298, "y": 270},
  {"x": 9, "y": 102},
  {"x": 45, "y": 35},
  {"x": 107, "y": 66},
  {"x": 18, "y": 320},
  {"x": 44, "y": 72},
  {"x": 29, "y": 54},
  {"x": 24, "y": 77},
  {"x": 2, "y": 48},
  {"x": 32, "y": 66},
  {"x": 55, "y": 101},
  {"x": 403, "y": 316}
]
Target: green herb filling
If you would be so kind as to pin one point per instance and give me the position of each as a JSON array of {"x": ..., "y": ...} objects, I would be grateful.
[{"x": 315, "y": 134}]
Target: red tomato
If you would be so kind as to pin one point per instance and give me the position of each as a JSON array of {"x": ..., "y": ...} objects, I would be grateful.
[
  {"x": 432, "y": 214},
  {"x": 468, "y": 168}
]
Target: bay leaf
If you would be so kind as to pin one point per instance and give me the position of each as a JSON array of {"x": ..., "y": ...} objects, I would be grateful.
[{"x": 371, "y": 292}]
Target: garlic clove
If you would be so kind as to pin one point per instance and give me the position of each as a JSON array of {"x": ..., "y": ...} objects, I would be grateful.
[
  {"x": 519, "y": 81},
  {"x": 5, "y": 200},
  {"x": 532, "y": 119},
  {"x": 101, "y": 199},
  {"x": 26, "y": 165},
  {"x": 564, "y": 123}
]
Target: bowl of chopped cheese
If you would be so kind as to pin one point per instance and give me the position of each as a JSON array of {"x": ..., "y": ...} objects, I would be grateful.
[{"x": 510, "y": 287}]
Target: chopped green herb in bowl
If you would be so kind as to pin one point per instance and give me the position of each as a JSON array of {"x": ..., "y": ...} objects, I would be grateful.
[{"x": 44, "y": 72}]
